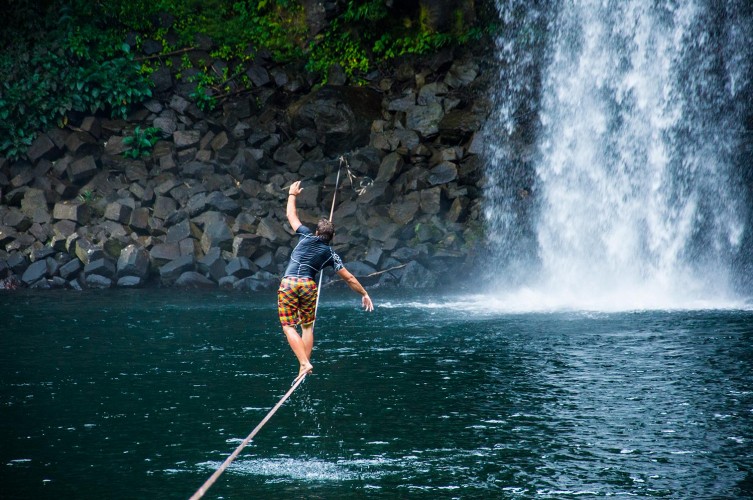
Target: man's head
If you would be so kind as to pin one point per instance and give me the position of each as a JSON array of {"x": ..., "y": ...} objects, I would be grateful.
[{"x": 325, "y": 230}]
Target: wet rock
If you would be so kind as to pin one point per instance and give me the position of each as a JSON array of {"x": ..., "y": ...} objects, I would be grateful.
[
  {"x": 35, "y": 272},
  {"x": 192, "y": 279},
  {"x": 383, "y": 232},
  {"x": 240, "y": 267},
  {"x": 217, "y": 234},
  {"x": 288, "y": 155},
  {"x": 443, "y": 173},
  {"x": 378, "y": 192},
  {"x": 17, "y": 220},
  {"x": 459, "y": 125},
  {"x": 97, "y": 281},
  {"x": 71, "y": 269},
  {"x": 404, "y": 210},
  {"x": 228, "y": 282},
  {"x": 252, "y": 284},
  {"x": 86, "y": 251},
  {"x": 7, "y": 235},
  {"x": 42, "y": 253},
  {"x": 360, "y": 269},
  {"x": 461, "y": 73},
  {"x": 130, "y": 282},
  {"x": 218, "y": 201},
  {"x": 244, "y": 245},
  {"x": 272, "y": 230},
  {"x": 163, "y": 253},
  {"x": 414, "y": 275},
  {"x": 431, "y": 92},
  {"x": 133, "y": 261},
  {"x": 171, "y": 271},
  {"x": 17, "y": 263},
  {"x": 197, "y": 169},
  {"x": 373, "y": 255},
  {"x": 212, "y": 264},
  {"x": 102, "y": 267},
  {"x": 424, "y": 119},
  {"x": 389, "y": 167},
  {"x": 431, "y": 200},
  {"x": 408, "y": 101}
]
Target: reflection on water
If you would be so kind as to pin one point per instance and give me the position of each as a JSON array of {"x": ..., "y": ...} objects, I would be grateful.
[{"x": 143, "y": 394}]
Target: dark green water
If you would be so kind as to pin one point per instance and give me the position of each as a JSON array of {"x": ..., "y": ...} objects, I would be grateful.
[{"x": 142, "y": 394}]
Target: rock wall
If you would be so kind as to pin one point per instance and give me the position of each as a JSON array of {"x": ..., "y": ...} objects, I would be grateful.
[{"x": 206, "y": 206}]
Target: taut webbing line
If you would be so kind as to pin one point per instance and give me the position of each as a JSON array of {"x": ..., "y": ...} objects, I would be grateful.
[
  {"x": 331, "y": 214},
  {"x": 209, "y": 482}
]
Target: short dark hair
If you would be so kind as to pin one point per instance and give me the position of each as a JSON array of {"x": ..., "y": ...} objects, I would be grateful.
[{"x": 325, "y": 230}]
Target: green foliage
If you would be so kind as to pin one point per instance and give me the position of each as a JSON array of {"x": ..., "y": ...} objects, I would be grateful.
[
  {"x": 141, "y": 142},
  {"x": 366, "y": 34},
  {"x": 76, "y": 67},
  {"x": 87, "y": 197},
  {"x": 66, "y": 56}
]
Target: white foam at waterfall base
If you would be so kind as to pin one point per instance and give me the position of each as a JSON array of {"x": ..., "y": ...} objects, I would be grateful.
[{"x": 637, "y": 205}]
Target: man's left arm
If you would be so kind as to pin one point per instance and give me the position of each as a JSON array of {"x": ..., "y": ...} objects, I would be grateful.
[{"x": 356, "y": 286}]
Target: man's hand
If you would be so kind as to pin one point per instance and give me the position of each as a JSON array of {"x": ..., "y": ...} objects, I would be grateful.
[
  {"x": 295, "y": 188},
  {"x": 367, "y": 304}
]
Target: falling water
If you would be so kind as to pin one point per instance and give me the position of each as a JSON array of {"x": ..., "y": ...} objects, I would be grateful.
[{"x": 612, "y": 174}]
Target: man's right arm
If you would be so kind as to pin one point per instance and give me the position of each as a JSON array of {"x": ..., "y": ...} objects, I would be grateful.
[{"x": 290, "y": 211}]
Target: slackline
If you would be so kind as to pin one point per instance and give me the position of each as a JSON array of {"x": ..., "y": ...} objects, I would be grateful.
[{"x": 209, "y": 482}]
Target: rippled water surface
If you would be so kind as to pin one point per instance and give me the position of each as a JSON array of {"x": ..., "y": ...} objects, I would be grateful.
[{"x": 142, "y": 394}]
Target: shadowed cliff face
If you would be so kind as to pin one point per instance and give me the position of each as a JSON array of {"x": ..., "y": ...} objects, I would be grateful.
[
  {"x": 341, "y": 117},
  {"x": 204, "y": 205}
]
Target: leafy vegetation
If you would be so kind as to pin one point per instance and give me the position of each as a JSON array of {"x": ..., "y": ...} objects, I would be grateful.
[
  {"x": 76, "y": 68},
  {"x": 71, "y": 55},
  {"x": 141, "y": 142}
]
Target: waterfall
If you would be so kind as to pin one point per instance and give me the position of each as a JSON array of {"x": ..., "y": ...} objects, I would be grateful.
[{"x": 613, "y": 152}]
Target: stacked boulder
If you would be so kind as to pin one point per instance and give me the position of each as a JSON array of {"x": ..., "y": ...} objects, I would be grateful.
[{"x": 206, "y": 206}]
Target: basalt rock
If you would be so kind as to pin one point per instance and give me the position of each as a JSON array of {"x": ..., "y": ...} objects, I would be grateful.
[
  {"x": 171, "y": 271},
  {"x": 192, "y": 279},
  {"x": 340, "y": 115},
  {"x": 207, "y": 207}
]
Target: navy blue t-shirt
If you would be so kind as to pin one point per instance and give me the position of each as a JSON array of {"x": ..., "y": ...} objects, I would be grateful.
[{"x": 310, "y": 256}]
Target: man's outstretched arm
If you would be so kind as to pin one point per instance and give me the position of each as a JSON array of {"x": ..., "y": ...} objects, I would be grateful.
[
  {"x": 355, "y": 285},
  {"x": 291, "y": 212}
]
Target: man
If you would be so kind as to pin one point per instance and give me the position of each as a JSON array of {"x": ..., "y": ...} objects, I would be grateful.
[{"x": 296, "y": 297}]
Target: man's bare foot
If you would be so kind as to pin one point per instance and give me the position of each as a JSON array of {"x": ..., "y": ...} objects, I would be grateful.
[{"x": 307, "y": 368}]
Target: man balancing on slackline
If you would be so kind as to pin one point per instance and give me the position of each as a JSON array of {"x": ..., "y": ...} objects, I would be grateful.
[{"x": 296, "y": 297}]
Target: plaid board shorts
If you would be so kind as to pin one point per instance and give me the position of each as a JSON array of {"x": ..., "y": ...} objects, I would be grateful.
[{"x": 296, "y": 301}]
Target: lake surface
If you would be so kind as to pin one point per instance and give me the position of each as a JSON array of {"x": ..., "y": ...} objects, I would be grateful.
[{"x": 143, "y": 394}]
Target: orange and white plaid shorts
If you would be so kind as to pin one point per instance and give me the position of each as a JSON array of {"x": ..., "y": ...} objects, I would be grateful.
[{"x": 296, "y": 301}]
